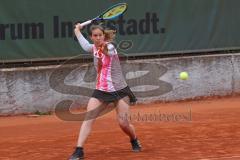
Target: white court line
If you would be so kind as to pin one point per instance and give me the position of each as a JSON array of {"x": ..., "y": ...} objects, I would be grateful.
[{"x": 221, "y": 158}]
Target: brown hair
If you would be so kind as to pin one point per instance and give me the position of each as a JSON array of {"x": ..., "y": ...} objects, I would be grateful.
[{"x": 109, "y": 33}]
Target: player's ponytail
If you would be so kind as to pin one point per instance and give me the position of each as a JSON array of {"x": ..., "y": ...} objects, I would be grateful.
[{"x": 109, "y": 35}]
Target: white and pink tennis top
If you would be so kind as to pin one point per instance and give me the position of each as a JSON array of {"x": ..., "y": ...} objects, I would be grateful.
[{"x": 109, "y": 72}]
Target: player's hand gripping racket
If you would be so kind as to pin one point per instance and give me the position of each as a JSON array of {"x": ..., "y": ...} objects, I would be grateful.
[{"x": 111, "y": 13}]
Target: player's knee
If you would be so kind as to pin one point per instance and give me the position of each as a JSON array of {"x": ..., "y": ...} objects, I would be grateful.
[
  {"x": 88, "y": 123},
  {"x": 124, "y": 124}
]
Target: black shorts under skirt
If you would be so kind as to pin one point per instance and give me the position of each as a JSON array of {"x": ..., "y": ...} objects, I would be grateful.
[{"x": 113, "y": 96}]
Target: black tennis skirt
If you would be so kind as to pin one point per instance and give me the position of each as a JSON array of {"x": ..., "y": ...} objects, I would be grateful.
[{"x": 114, "y": 96}]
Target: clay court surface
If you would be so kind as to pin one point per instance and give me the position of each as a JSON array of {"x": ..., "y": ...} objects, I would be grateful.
[{"x": 210, "y": 130}]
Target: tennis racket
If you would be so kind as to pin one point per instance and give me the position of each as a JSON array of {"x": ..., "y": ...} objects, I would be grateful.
[{"x": 111, "y": 13}]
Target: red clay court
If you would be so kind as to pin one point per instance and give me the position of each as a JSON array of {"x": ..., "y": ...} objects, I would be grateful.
[{"x": 212, "y": 133}]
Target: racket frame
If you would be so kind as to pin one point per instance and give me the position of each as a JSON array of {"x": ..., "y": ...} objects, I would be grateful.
[{"x": 100, "y": 17}]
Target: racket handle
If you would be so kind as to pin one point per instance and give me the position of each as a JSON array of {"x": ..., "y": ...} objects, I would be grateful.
[{"x": 86, "y": 23}]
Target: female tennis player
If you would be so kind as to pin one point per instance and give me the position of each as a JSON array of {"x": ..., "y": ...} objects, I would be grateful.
[{"x": 110, "y": 85}]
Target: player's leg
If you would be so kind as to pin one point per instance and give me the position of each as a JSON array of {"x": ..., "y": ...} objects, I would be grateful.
[
  {"x": 122, "y": 108},
  {"x": 94, "y": 108}
]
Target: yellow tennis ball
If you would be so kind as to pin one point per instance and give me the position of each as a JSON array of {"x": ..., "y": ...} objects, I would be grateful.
[{"x": 183, "y": 75}]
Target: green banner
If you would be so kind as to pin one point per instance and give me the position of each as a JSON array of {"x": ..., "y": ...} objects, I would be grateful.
[{"x": 42, "y": 30}]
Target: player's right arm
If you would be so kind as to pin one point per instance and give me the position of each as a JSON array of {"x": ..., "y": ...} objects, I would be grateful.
[{"x": 81, "y": 39}]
